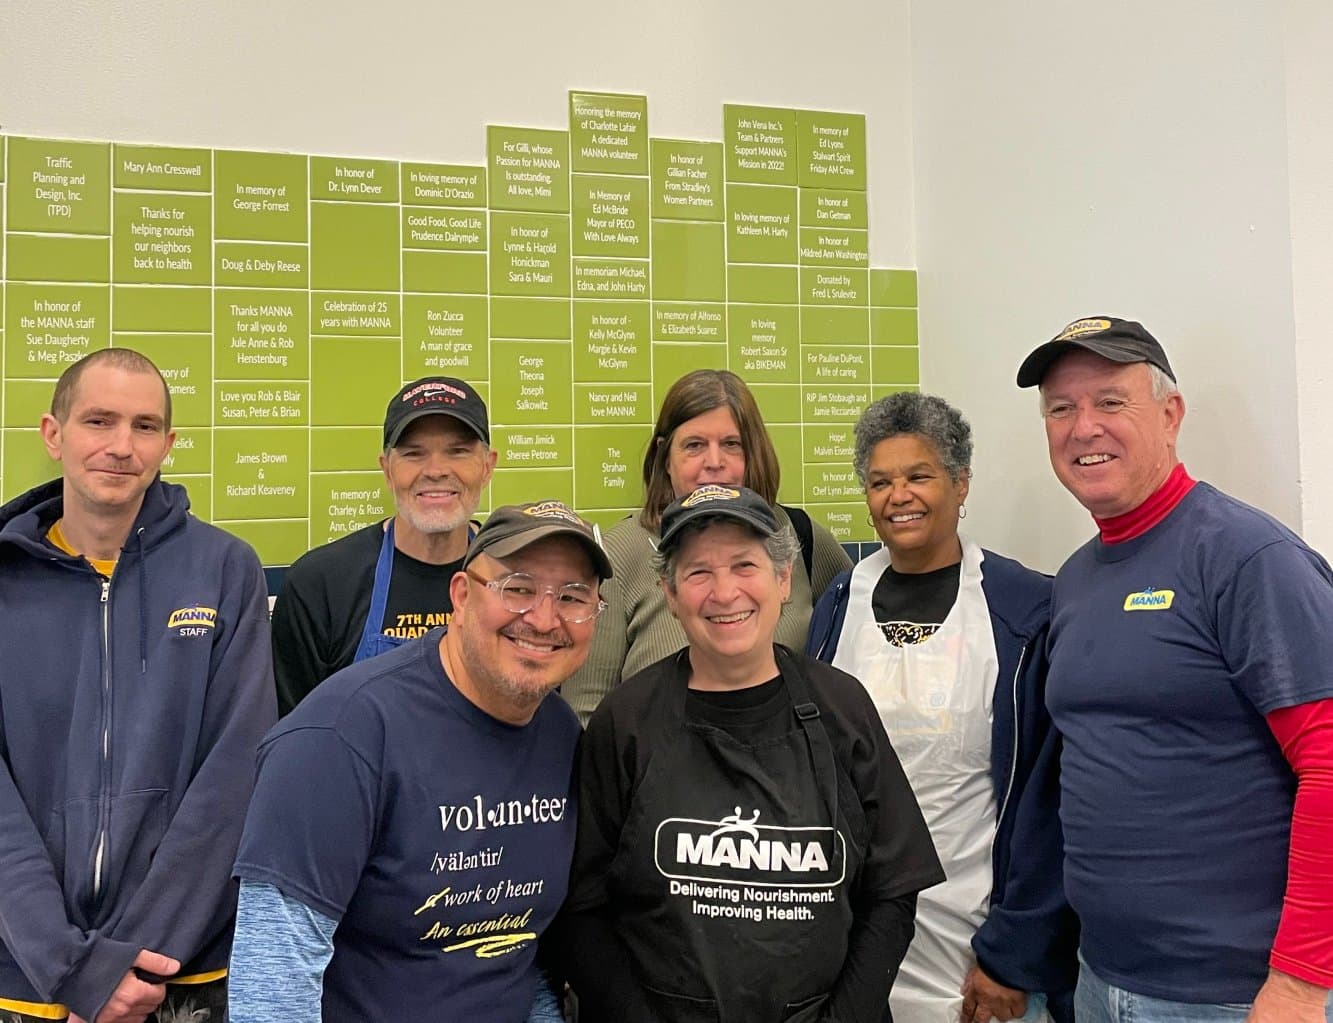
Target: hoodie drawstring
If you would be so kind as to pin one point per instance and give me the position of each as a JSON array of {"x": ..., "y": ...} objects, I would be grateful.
[{"x": 143, "y": 602}]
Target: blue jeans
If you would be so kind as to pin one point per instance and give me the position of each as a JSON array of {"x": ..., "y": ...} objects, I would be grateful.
[{"x": 1096, "y": 1001}]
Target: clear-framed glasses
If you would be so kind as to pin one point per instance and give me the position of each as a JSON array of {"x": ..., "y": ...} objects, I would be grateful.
[{"x": 519, "y": 593}]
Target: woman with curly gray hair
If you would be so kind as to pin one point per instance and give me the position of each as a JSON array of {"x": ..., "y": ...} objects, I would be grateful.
[{"x": 949, "y": 640}]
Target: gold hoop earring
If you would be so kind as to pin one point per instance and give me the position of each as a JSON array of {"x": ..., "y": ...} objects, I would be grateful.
[{"x": 870, "y": 522}]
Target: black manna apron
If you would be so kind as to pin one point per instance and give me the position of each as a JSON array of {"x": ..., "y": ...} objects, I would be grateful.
[{"x": 735, "y": 867}]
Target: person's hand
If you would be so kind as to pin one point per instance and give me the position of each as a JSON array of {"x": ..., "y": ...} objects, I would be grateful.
[
  {"x": 985, "y": 999},
  {"x": 1288, "y": 999},
  {"x": 133, "y": 998}
]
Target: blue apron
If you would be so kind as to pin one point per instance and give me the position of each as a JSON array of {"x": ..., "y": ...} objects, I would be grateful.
[{"x": 373, "y": 640}]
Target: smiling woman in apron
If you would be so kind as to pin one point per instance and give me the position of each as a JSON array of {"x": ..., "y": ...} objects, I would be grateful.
[
  {"x": 949, "y": 641},
  {"x": 748, "y": 850}
]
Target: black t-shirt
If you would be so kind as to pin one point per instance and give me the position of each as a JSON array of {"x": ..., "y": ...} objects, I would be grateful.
[
  {"x": 322, "y": 608},
  {"x": 749, "y": 715},
  {"x": 910, "y": 606},
  {"x": 621, "y": 740}
]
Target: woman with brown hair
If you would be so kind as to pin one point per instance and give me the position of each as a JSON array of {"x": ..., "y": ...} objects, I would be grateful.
[{"x": 709, "y": 430}]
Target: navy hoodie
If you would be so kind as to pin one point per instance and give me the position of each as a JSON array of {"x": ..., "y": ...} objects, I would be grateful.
[
  {"x": 1030, "y": 936},
  {"x": 130, "y": 712}
]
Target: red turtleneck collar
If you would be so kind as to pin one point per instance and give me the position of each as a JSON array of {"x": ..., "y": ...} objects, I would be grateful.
[{"x": 1120, "y": 528}]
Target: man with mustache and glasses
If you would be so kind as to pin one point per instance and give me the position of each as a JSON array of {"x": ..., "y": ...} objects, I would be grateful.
[
  {"x": 367, "y": 592},
  {"x": 420, "y": 804}
]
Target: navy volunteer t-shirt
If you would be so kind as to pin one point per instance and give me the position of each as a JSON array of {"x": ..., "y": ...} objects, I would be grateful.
[{"x": 438, "y": 837}]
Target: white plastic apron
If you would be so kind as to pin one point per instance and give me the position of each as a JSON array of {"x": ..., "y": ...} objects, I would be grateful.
[{"x": 935, "y": 698}]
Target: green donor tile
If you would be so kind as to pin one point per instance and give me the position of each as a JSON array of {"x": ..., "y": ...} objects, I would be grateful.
[
  {"x": 136, "y": 307},
  {"x": 689, "y": 263},
  {"x": 893, "y": 326},
  {"x": 528, "y": 169},
  {"x": 461, "y": 273},
  {"x": 350, "y": 378},
  {"x": 892, "y": 287},
  {"x": 261, "y": 335},
  {"x": 761, "y": 144},
  {"x": 608, "y": 132},
  {"x": 610, "y": 216},
  {"x": 160, "y": 168},
  {"x": 59, "y": 186},
  {"x": 822, "y": 207},
  {"x": 895, "y": 366},
  {"x": 51, "y": 326},
  {"x": 445, "y": 334},
  {"x": 530, "y": 254},
  {"x": 767, "y": 285},
  {"x": 673, "y": 361},
  {"x": 428, "y": 227},
  {"x": 36, "y": 257},
  {"x": 260, "y": 196},
  {"x": 163, "y": 239},
  {"x": 686, "y": 179},
  {"x": 761, "y": 224},
  {"x": 832, "y": 149},
  {"x": 354, "y": 247},
  {"x": 348, "y": 180},
  {"x": 443, "y": 184}
]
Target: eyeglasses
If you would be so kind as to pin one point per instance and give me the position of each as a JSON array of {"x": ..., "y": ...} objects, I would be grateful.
[{"x": 519, "y": 593}]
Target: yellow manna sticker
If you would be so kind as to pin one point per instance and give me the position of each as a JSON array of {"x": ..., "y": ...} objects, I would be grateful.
[
  {"x": 1150, "y": 600},
  {"x": 199, "y": 617}
]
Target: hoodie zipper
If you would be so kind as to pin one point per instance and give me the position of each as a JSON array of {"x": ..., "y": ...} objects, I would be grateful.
[
  {"x": 1013, "y": 757},
  {"x": 102, "y": 811},
  {"x": 828, "y": 631}
]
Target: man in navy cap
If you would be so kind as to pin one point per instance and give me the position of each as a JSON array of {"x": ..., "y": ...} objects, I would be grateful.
[
  {"x": 1191, "y": 676},
  {"x": 413, "y": 820},
  {"x": 371, "y": 590}
]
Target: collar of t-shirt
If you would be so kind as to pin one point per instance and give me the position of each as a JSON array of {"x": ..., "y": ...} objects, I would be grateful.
[
  {"x": 1120, "y": 528},
  {"x": 57, "y": 538}
]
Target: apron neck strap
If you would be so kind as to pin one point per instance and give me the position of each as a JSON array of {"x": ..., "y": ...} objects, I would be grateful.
[{"x": 816, "y": 735}]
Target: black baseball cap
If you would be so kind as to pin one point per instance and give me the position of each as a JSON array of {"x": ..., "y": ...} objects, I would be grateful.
[
  {"x": 435, "y": 396},
  {"x": 715, "y": 501},
  {"x": 512, "y": 527},
  {"x": 1115, "y": 339}
]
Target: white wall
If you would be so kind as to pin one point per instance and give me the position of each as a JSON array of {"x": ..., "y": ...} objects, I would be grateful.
[
  {"x": 421, "y": 80},
  {"x": 1069, "y": 157},
  {"x": 1127, "y": 158},
  {"x": 1309, "y": 37}
]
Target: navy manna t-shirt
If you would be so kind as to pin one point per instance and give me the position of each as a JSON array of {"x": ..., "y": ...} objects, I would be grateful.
[
  {"x": 1166, "y": 653},
  {"x": 438, "y": 837}
]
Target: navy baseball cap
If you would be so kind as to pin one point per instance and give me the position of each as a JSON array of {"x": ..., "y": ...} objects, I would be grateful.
[
  {"x": 1119, "y": 340},
  {"x": 741, "y": 504}
]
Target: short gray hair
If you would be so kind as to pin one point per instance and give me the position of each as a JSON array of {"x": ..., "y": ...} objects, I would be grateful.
[
  {"x": 1162, "y": 384},
  {"x": 781, "y": 548},
  {"x": 926, "y": 415}
]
